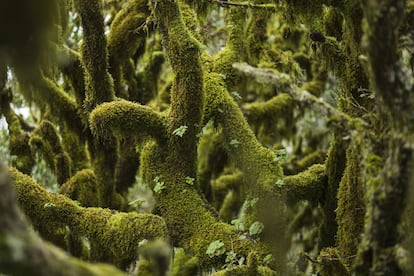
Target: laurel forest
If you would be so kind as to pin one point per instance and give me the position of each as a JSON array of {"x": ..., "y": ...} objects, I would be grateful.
[{"x": 206, "y": 137}]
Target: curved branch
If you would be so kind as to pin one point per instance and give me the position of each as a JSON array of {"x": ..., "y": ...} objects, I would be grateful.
[
  {"x": 127, "y": 119},
  {"x": 308, "y": 185},
  {"x": 272, "y": 110}
]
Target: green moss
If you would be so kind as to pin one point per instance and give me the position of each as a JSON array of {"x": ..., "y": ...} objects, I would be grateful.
[
  {"x": 82, "y": 187},
  {"x": 334, "y": 23},
  {"x": 148, "y": 79},
  {"x": 126, "y": 119},
  {"x": 45, "y": 139},
  {"x": 351, "y": 210},
  {"x": 110, "y": 233},
  {"x": 257, "y": 163},
  {"x": 126, "y": 36},
  {"x": 19, "y": 140},
  {"x": 211, "y": 159},
  {"x": 333, "y": 56},
  {"x": 329, "y": 263},
  {"x": 307, "y": 12},
  {"x": 74, "y": 145},
  {"x": 307, "y": 185},
  {"x": 235, "y": 49},
  {"x": 257, "y": 33},
  {"x": 94, "y": 54},
  {"x": 335, "y": 166},
  {"x": 19, "y": 147},
  {"x": 191, "y": 225},
  {"x": 225, "y": 183},
  {"x": 74, "y": 73},
  {"x": 184, "y": 265},
  {"x": 270, "y": 111}
]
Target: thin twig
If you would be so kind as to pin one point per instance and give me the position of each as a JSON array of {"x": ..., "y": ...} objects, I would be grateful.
[{"x": 246, "y": 5}]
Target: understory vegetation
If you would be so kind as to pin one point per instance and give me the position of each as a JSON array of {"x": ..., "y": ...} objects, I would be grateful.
[{"x": 206, "y": 137}]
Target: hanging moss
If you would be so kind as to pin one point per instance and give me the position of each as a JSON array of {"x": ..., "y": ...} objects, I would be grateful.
[
  {"x": 329, "y": 263},
  {"x": 351, "y": 210},
  {"x": 234, "y": 51},
  {"x": 127, "y": 35},
  {"x": 335, "y": 166},
  {"x": 334, "y": 23},
  {"x": 46, "y": 140},
  {"x": 307, "y": 12},
  {"x": 257, "y": 33}
]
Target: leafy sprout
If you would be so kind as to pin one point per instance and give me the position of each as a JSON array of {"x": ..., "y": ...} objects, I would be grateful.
[
  {"x": 256, "y": 228},
  {"x": 180, "y": 131},
  {"x": 216, "y": 248},
  {"x": 189, "y": 180},
  {"x": 159, "y": 185},
  {"x": 235, "y": 143}
]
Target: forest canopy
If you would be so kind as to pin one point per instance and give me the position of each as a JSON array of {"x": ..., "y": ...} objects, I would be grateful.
[{"x": 208, "y": 137}]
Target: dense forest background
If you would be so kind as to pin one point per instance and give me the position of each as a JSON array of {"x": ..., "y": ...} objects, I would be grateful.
[{"x": 206, "y": 137}]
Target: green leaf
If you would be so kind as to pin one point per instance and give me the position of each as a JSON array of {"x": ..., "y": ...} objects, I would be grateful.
[
  {"x": 143, "y": 242},
  {"x": 241, "y": 260},
  {"x": 238, "y": 223},
  {"x": 236, "y": 96},
  {"x": 159, "y": 187},
  {"x": 49, "y": 205},
  {"x": 268, "y": 259},
  {"x": 136, "y": 203},
  {"x": 216, "y": 248},
  {"x": 189, "y": 180},
  {"x": 256, "y": 228},
  {"x": 280, "y": 183},
  {"x": 281, "y": 155},
  {"x": 234, "y": 143},
  {"x": 180, "y": 131}
]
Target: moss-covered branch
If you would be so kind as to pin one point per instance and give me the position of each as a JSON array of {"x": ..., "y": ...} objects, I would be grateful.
[
  {"x": 187, "y": 97},
  {"x": 301, "y": 96},
  {"x": 259, "y": 164},
  {"x": 22, "y": 251},
  {"x": 99, "y": 84},
  {"x": 126, "y": 119},
  {"x": 308, "y": 185},
  {"x": 271, "y": 110},
  {"x": 19, "y": 140},
  {"x": 113, "y": 236},
  {"x": 45, "y": 138},
  {"x": 125, "y": 38}
]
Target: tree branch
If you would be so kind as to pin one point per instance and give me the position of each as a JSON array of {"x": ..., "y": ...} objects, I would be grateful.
[
  {"x": 127, "y": 119},
  {"x": 301, "y": 96},
  {"x": 22, "y": 251},
  {"x": 110, "y": 233}
]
